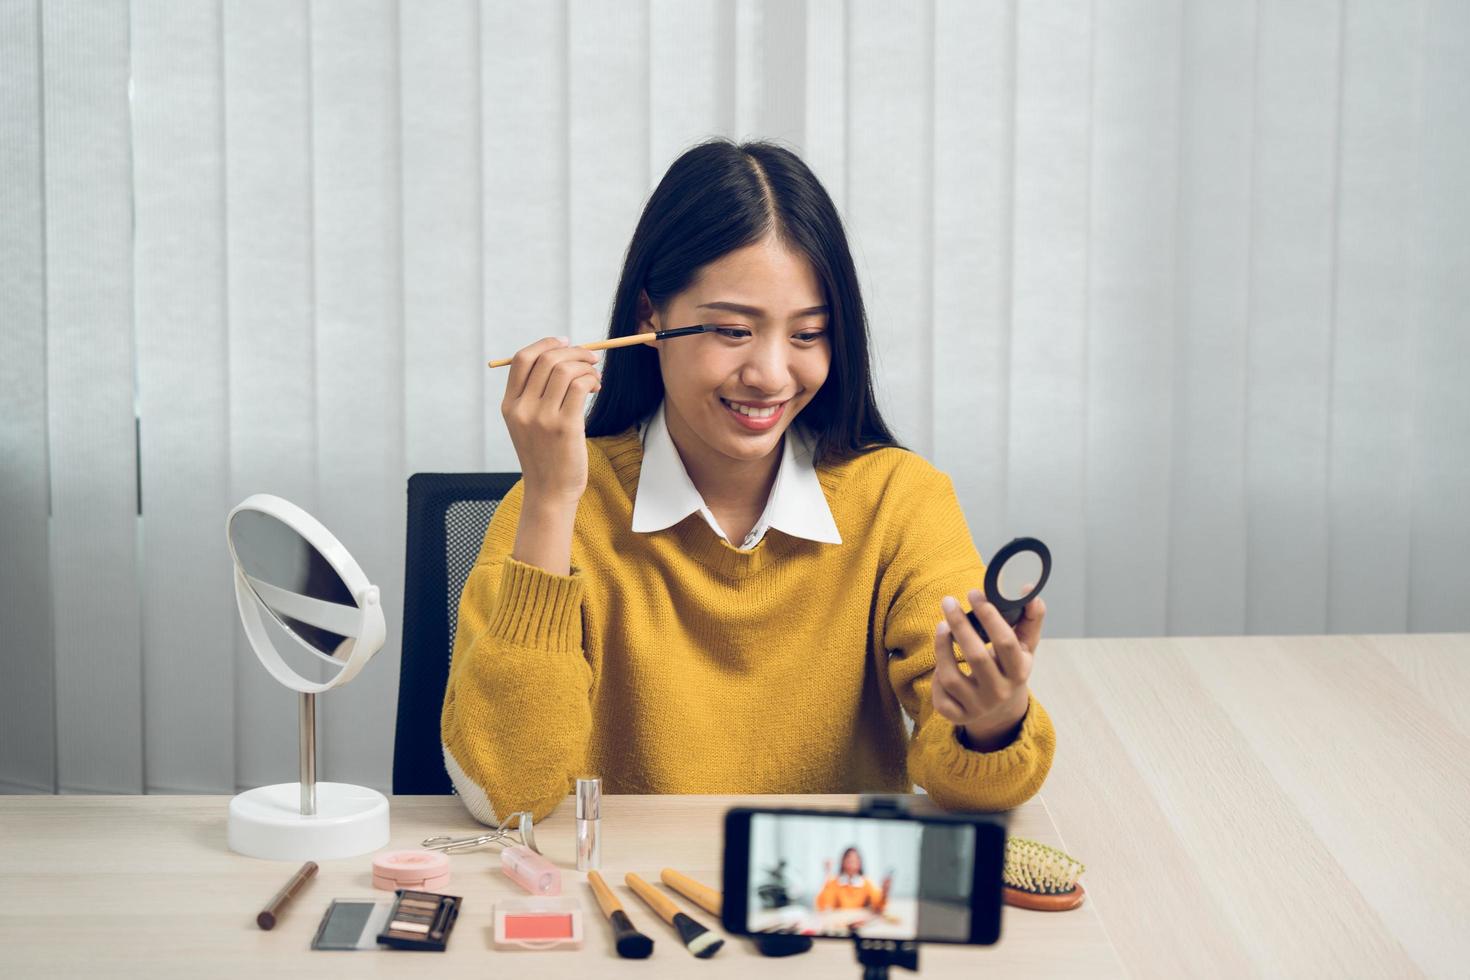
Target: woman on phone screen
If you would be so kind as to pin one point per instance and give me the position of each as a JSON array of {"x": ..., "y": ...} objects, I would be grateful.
[{"x": 850, "y": 888}]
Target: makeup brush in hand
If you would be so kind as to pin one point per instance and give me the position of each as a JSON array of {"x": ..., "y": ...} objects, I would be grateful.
[
  {"x": 1039, "y": 877},
  {"x": 631, "y": 339},
  {"x": 699, "y": 940},
  {"x": 632, "y": 944}
]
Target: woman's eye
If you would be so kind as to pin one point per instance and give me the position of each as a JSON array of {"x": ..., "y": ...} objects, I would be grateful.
[
  {"x": 734, "y": 333},
  {"x": 809, "y": 337}
]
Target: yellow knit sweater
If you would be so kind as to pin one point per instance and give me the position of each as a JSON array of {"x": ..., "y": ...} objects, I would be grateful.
[{"x": 672, "y": 662}]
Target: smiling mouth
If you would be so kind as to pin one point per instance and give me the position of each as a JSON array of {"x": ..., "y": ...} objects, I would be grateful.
[{"x": 754, "y": 411}]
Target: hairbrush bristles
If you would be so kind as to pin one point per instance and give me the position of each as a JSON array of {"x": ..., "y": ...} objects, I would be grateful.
[
  {"x": 1040, "y": 877},
  {"x": 1034, "y": 867}
]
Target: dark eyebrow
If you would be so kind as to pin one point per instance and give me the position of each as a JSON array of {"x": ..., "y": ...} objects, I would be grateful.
[{"x": 757, "y": 312}]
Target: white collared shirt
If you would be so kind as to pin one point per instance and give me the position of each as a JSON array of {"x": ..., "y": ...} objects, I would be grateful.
[{"x": 666, "y": 495}]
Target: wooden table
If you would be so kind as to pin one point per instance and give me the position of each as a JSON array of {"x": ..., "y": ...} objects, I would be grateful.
[
  {"x": 145, "y": 886},
  {"x": 1292, "y": 807},
  {"x": 1245, "y": 806}
]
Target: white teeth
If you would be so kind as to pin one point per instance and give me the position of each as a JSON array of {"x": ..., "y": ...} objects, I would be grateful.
[{"x": 755, "y": 413}]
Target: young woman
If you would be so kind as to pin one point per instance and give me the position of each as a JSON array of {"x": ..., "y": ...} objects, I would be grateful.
[
  {"x": 728, "y": 578},
  {"x": 849, "y": 888}
]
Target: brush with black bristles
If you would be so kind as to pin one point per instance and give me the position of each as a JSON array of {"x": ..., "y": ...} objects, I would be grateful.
[
  {"x": 632, "y": 944},
  {"x": 1040, "y": 877},
  {"x": 699, "y": 940}
]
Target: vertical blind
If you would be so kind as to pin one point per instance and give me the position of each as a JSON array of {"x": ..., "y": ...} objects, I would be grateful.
[{"x": 1179, "y": 287}]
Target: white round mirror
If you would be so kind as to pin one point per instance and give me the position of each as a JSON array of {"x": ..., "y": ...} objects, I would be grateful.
[
  {"x": 314, "y": 621},
  {"x": 290, "y": 567}
]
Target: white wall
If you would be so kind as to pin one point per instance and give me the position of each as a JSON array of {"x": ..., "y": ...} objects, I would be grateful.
[{"x": 1178, "y": 287}]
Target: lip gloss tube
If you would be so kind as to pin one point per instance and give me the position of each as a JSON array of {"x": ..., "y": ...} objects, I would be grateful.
[
  {"x": 530, "y": 870},
  {"x": 589, "y": 824}
]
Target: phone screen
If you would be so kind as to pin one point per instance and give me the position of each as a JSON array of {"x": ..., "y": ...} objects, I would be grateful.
[{"x": 824, "y": 874}]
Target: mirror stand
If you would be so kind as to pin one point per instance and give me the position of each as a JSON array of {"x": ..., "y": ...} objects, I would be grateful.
[
  {"x": 307, "y": 741},
  {"x": 308, "y": 820}
]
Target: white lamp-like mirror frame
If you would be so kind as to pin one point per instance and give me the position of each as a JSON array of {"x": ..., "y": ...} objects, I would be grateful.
[{"x": 308, "y": 819}]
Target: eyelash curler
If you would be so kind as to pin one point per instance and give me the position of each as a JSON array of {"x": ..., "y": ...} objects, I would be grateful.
[{"x": 522, "y": 833}]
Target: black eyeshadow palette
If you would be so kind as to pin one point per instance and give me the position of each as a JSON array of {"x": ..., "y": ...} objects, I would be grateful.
[{"x": 420, "y": 920}]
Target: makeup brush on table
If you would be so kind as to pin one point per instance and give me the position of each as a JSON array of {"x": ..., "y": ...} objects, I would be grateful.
[
  {"x": 712, "y": 901},
  {"x": 699, "y": 940},
  {"x": 697, "y": 892},
  {"x": 631, "y": 339},
  {"x": 632, "y": 944}
]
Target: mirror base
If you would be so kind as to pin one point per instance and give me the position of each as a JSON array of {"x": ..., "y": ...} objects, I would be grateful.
[{"x": 266, "y": 822}]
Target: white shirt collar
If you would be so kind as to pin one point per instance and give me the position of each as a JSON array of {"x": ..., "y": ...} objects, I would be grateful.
[{"x": 797, "y": 506}]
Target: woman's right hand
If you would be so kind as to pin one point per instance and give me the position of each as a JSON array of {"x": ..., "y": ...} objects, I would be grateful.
[{"x": 544, "y": 406}]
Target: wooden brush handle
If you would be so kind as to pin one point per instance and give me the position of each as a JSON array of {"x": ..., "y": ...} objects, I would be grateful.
[
  {"x": 628, "y": 341},
  {"x": 661, "y": 904},
  {"x": 697, "y": 892},
  {"x": 606, "y": 900}
]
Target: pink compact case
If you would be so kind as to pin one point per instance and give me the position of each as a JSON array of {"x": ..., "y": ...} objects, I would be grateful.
[{"x": 426, "y": 871}]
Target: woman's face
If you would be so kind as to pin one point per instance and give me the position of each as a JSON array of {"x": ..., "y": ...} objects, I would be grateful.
[
  {"x": 851, "y": 863},
  {"x": 737, "y": 391}
]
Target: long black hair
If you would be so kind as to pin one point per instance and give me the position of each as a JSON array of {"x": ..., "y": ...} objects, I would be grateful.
[{"x": 716, "y": 198}]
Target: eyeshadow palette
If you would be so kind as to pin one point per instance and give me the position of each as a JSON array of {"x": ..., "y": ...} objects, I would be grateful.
[
  {"x": 349, "y": 924},
  {"x": 420, "y": 920}
]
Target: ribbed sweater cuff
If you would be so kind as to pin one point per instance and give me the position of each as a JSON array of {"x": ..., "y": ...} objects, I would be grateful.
[
  {"x": 538, "y": 610},
  {"x": 1035, "y": 738}
]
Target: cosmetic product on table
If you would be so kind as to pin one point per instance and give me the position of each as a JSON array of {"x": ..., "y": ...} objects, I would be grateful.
[
  {"x": 538, "y": 922},
  {"x": 420, "y": 920},
  {"x": 589, "y": 824},
  {"x": 631, "y": 944},
  {"x": 416, "y": 920},
  {"x": 351, "y": 924},
  {"x": 710, "y": 899},
  {"x": 1039, "y": 877},
  {"x": 504, "y": 835},
  {"x": 530, "y": 870},
  {"x": 697, "y": 892},
  {"x": 421, "y": 870},
  {"x": 699, "y": 940},
  {"x": 268, "y": 916}
]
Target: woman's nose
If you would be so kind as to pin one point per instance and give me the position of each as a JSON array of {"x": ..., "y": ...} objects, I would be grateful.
[{"x": 765, "y": 369}]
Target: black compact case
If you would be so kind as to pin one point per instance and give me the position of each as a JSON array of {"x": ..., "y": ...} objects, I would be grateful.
[
  {"x": 420, "y": 920},
  {"x": 1011, "y": 606}
]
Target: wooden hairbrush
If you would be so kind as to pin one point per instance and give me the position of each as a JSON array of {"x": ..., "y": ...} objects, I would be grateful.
[{"x": 1040, "y": 877}]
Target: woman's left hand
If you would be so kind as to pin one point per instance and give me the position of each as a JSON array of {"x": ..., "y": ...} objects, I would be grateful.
[{"x": 990, "y": 701}]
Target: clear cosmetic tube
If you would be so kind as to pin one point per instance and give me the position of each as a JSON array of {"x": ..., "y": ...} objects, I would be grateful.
[{"x": 589, "y": 824}]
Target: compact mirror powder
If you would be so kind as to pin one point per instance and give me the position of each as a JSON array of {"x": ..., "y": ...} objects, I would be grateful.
[{"x": 426, "y": 871}]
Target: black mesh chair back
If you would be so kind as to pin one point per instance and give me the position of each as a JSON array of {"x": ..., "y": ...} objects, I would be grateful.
[{"x": 447, "y": 517}]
